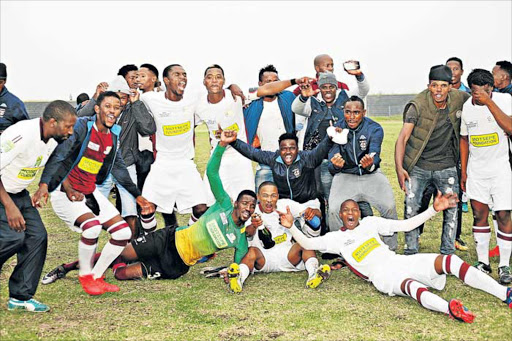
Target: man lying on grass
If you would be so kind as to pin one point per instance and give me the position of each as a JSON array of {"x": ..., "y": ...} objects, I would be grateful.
[
  {"x": 368, "y": 257},
  {"x": 169, "y": 252}
]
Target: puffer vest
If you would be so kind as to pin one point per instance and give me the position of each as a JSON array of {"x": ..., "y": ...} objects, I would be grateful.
[{"x": 428, "y": 114}]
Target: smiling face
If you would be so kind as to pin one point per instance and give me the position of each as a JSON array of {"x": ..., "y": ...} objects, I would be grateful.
[
  {"x": 350, "y": 214},
  {"x": 214, "y": 81},
  {"x": 288, "y": 150},
  {"x": 439, "y": 91},
  {"x": 107, "y": 112},
  {"x": 268, "y": 196},
  {"x": 244, "y": 207},
  {"x": 176, "y": 80},
  {"x": 456, "y": 72},
  {"x": 354, "y": 114}
]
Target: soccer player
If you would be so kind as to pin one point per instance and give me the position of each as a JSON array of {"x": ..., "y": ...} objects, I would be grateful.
[
  {"x": 168, "y": 253},
  {"x": 276, "y": 252},
  {"x": 72, "y": 173},
  {"x": 173, "y": 180},
  {"x": 368, "y": 257},
  {"x": 25, "y": 148},
  {"x": 486, "y": 174},
  {"x": 218, "y": 110}
]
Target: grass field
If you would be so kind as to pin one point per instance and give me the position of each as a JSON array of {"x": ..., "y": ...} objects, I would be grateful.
[{"x": 272, "y": 306}]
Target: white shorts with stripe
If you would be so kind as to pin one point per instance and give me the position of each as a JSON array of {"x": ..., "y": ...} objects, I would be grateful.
[
  {"x": 276, "y": 259},
  {"x": 69, "y": 211},
  {"x": 388, "y": 277},
  {"x": 174, "y": 182},
  {"x": 495, "y": 192}
]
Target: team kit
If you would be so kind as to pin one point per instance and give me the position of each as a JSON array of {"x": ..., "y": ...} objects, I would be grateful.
[{"x": 313, "y": 195}]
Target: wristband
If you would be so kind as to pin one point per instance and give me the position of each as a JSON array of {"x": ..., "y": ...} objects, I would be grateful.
[{"x": 293, "y": 81}]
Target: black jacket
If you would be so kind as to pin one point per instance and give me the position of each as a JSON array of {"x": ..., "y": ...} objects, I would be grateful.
[{"x": 297, "y": 181}]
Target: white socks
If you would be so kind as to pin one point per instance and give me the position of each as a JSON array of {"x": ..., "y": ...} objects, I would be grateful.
[
  {"x": 85, "y": 257},
  {"x": 504, "y": 241},
  {"x": 120, "y": 235},
  {"x": 482, "y": 235},
  {"x": 311, "y": 265},
  {"x": 244, "y": 273},
  {"x": 420, "y": 293}
]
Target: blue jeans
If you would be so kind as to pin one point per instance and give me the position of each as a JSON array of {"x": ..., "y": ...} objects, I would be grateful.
[
  {"x": 128, "y": 203},
  {"x": 446, "y": 181},
  {"x": 263, "y": 173}
]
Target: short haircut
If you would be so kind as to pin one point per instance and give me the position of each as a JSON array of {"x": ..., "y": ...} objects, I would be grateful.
[
  {"x": 288, "y": 136},
  {"x": 354, "y": 99},
  {"x": 268, "y": 68},
  {"x": 266, "y": 183},
  {"x": 58, "y": 110},
  {"x": 127, "y": 68},
  {"x": 168, "y": 68},
  {"x": 82, "y": 98},
  {"x": 151, "y": 68},
  {"x": 214, "y": 66},
  {"x": 455, "y": 59},
  {"x": 505, "y": 66},
  {"x": 480, "y": 77},
  {"x": 246, "y": 192},
  {"x": 349, "y": 200},
  {"x": 105, "y": 94}
]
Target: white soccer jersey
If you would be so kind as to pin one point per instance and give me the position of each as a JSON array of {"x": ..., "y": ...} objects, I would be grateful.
[
  {"x": 228, "y": 113},
  {"x": 488, "y": 143},
  {"x": 174, "y": 124},
  {"x": 22, "y": 154}
]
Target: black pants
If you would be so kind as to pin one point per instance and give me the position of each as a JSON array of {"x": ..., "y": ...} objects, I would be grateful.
[{"x": 29, "y": 245}]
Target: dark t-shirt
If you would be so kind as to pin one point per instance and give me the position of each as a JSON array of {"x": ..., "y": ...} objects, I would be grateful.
[{"x": 440, "y": 151}]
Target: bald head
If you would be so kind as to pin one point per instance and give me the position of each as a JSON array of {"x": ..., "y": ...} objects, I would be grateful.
[{"x": 323, "y": 63}]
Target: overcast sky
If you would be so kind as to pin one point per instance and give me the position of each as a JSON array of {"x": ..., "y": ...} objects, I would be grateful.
[{"x": 57, "y": 49}]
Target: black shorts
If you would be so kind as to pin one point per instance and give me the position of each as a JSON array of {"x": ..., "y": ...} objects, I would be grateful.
[{"x": 158, "y": 254}]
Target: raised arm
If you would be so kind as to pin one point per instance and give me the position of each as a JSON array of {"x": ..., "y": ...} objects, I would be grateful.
[
  {"x": 273, "y": 88},
  {"x": 212, "y": 171},
  {"x": 503, "y": 120}
]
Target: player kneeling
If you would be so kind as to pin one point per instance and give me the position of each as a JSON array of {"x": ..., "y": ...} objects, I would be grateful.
[
  {"x": 366, "y": 254},
  {"x": 270, "y": 245}
]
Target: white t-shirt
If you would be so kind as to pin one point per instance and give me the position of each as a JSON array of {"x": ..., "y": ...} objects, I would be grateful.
[
  {"x": 174, "y": 124},
  {"x": 270, "y": 126},
  {"x": 22, "y": 154},
  {"x": 228, "y": 113},
  {"x": 488, "y": 143}
]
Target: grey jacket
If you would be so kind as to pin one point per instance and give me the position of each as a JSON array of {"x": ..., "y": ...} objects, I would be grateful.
[{"x": 135, "y": 119}]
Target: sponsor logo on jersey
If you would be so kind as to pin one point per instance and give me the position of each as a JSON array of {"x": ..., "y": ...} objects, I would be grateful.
[
  {"x": 176, "y": 129},
  {"x": 7, "y": 146},
  {"x": 363, "y": 143},
  {"x": 233, "y": 127},
  {"x": 472, "y": 124},
  {"x": 216, "y": 234},
  {"x": 93, "y": 146},
  {"x": 364, "y": 249},
  {"x": 485, "y": 140},
  {"x": 349, "y": 241},
  {"x": 89, "y": 165},
  {"x": 223, "y": 218},
  {"x": 280, "y": 239},
  {"x": 28, "y": 173},
  {"x": 231, "y": 237}
]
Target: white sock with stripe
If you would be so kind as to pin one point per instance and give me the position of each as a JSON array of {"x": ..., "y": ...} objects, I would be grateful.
[
  {"x": 482, "y": 235},
  {"x": 244, "y": 273},
  {"x": 311, "y": 266},
  {"x": 192, "y": 219},
  {"x": 120, "y": 235},
  {"x": 91, "y": 229},
  {"x": 425, "y": 298},
  {"x": 504, "y": 241}
]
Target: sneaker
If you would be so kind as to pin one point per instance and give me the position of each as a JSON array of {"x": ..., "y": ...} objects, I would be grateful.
[
  {"x": 29, "y": 305},
  {"x": 322, "y": 274},
  {"x": 494, "y": 252},
  {"x": 235, "y": 285},
  {"x": 211, "y": 269},
  {"x": 504, "y": 275},
  {"x": 483, "y": 267},
  {"x": 460, "y": 245},
  {"x": 107, "y": 287},
  {"x": 465, "y": 207},
  {"x": 508, "y": 300},
  {"x": 459, "y": 312},
  {"x": 90, "y": 285},
  {"x": 57, "y": 273}
]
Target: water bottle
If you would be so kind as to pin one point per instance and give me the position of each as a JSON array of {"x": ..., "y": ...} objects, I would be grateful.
[{"x": 314, "y": 222}]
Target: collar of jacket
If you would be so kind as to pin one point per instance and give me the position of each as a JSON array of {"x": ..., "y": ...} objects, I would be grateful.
[
  {"x": 280, "y": 160},
  {"x": 115, "y": 129}
]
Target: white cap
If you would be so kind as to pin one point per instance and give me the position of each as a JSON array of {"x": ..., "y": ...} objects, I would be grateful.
[{"x": 119, "y": 84}]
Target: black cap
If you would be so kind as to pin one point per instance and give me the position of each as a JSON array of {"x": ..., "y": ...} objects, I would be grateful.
[
  {"x": 440, "y": 73},
  {"x": 3, "y": 71}
]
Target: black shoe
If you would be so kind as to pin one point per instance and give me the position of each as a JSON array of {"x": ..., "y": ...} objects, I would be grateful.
[
  {"x": 57, "y": 273},
  {"x": 483, "y": 267}
]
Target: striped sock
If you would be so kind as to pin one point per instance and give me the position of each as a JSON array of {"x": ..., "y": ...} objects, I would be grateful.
[
  {"x": 504, "y": 241},
  {"x": 425, "y": 298},
  {"x": 482, "y": 235}
]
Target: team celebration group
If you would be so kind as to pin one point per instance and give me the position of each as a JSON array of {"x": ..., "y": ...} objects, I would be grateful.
[{"x": 316, "y": 186}]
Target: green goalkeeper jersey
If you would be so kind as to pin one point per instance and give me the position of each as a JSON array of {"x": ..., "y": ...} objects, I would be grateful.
[{"x": 215, "y": 230}]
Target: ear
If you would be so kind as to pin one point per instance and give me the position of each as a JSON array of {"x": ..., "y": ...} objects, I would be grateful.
[
  {"x": 97, "y": 109},
  {"x": 53, "y": 122},
  {"x": 166, "y": 81}
]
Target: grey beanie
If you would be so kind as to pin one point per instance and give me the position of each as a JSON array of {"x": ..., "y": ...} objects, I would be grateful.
[{"x": 327, "y": 78}]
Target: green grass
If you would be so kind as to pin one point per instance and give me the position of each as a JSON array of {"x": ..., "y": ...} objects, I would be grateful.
[{"x": 272, "y": 306}]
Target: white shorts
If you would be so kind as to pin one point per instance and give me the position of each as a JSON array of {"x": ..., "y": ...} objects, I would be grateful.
[
  {"x": 69, "y": 211},
  {"x": 495, "y": 192},
  {"x": 128, "y": 203},
  {"x": 392, "y": 272},
  {"x": 236, "y": 174},
  {"x": 174, "y": 182},
  {"x": 276, "y": 259}
]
